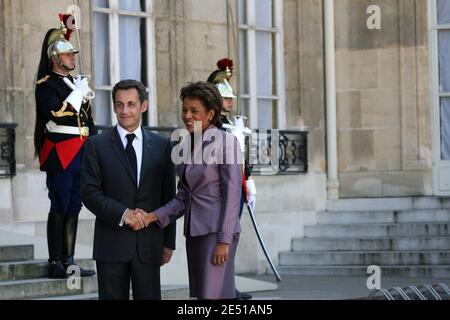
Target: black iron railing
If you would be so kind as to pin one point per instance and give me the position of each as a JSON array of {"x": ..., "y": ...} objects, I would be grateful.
[
  {"x": 7, "y": 150},
  {"x": 278, "y": 152},
  {"x": 269, "y": 152}
]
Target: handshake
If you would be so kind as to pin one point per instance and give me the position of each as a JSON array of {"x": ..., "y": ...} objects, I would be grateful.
[{"x": 138, "y": 219}]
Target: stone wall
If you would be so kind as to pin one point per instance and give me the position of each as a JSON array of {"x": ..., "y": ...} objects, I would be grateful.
[
  {"x": 305, "y": 75},
  {"x": 383, "y": 103},
  {"x": 383, "y": 100},
  {"x": 191, "y": 36},
  {"x": 25, "y": 25},
  {"x": 24, "y": 28}
]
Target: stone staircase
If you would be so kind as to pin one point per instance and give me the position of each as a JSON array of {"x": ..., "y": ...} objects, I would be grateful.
[
  {"x": 23, "y": 277},
  {"x": 403, "y": 236}
]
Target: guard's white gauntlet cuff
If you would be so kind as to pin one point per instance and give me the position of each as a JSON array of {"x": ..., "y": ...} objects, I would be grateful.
[
  {"x": 251, "y": 187},
  {"x": 75, "y": 99}
]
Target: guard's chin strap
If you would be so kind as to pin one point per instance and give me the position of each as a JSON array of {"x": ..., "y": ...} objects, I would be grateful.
[{"x": 63, "y": 65}]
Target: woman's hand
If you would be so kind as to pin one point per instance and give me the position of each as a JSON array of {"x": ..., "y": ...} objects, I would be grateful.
[
  {"x": 221, "y": 254},
  {"x": 149, "y": 218}
]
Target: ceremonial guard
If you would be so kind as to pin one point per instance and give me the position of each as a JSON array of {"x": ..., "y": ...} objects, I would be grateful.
[
  {"x": 221, "y": 78},
  {"x": 63, "y": 123}
]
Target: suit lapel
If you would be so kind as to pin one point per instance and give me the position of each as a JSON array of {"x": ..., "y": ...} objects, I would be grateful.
[
  {"x": 146, "y": 154},
  {"x": 118, "y": 148},
  {"x": 194, "y": 170}
]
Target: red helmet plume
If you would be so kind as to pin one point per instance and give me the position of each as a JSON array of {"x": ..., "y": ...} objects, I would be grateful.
[
  {"x": 68, "y": 21},
  {"x": 225, "y": 63}
]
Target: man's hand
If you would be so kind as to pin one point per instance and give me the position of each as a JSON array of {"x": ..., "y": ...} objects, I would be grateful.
[
  {"x": 149, "y": 218},
  {"x": 221, "y": 254},
  {"x": 134, "y": 220},
  {"x": 167, "y": 255}
]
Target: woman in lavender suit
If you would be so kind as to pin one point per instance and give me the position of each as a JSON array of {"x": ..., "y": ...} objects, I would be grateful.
[{"x": 208, "y": 195}]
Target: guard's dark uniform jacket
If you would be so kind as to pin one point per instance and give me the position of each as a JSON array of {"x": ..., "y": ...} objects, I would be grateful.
[
  {"x": 60, "y": 149},
  {"x": 247, "y": 168}
]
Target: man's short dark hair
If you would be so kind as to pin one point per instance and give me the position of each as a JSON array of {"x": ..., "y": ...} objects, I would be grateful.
[{"x": 130, "y": 84}]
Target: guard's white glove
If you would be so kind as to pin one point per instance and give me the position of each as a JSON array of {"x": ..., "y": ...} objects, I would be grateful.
[
  {"x": 251, "y": 201},
  {"x": 82, "y": 85},
  {"x": 239, "y": 131},
  {"x": 75, "y": 99},
  {"x": 81, "y": 92},
  {"x": 251, "y": 192}
]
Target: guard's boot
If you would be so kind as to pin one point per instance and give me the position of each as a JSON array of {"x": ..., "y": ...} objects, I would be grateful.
[
  {"x": 70, "y": 235},
  {"x": 55, "y": 229},
  {"x": 242, "y": 295}
]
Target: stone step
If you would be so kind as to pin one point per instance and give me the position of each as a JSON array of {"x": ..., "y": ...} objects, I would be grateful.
[
  {"x": 358, "y": 217},
  {"x": 388, "y": 204},
  {"x": 87, "y": 296},
  {"x": 167, "y": 293},
  {"x": 419, "y": 271},
  {"x": 349, "y": 258},
  {"x": 16, "y": 253},
  {"x": 32, "y": 269},
  {"x": 377, "y": 230},
  {"x": 40, "y": 288},
  {"x": 371, "y": 244}
]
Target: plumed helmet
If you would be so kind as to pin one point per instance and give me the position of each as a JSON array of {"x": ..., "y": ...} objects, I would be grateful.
[
  {"x": 222, "y": 76},
  {"x": 225, "y": 89},
  {"x": 58, "y": 42}
]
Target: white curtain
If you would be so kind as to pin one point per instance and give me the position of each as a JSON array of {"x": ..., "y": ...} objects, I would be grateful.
[
  {"x": 444, "y": 77},
  {"x": 130, "y": 5},
  {"x": 130, "y": 53},
  {"x": 264, "y": 64},
  {"x": 443, "y": 11},
  {"x": 101, "y": 3},
  {"x": 102, "y": 74},
  {"x": 264, "y": 61},
  {"x": 130, "y": 41},
  {"x": 445, "y": 129},
  {"x": 264, "y": 13}
]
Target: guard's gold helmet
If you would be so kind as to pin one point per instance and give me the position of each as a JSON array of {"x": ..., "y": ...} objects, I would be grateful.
[
  {"x": 221, "y": 77},
  {"x": 58, "y": 42},
  {"x": 225, "y": 89}
]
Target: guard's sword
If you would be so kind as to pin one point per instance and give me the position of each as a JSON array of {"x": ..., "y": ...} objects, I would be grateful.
[{"x": 261, "y": 242}]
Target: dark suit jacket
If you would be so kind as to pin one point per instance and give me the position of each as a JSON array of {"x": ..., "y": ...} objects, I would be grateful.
[{"x": 108, "y": 188}]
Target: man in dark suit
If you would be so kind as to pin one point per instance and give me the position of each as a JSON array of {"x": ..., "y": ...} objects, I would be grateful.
[{"x": 126, "y": 170}]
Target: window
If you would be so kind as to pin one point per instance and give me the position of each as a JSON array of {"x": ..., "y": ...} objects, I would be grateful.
[
  {"x": 441, "y": 72},
  {"x": 262, "y": 94},
  {"x": 439, "y": 45},
  {"x": 123, "y": 48}
]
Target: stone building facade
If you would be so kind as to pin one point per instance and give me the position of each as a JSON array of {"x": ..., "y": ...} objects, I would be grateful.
[{"x": 383, "y": 89}]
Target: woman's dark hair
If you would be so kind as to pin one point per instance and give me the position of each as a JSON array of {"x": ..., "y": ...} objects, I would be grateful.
[
  {"x": 208, "y": 94},
  {"x": 130, "y": 84},
  {"x": 43, "y": 70}
]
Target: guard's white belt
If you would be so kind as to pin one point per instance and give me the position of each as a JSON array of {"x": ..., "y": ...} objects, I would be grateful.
[{"x": 54, "y": 128}]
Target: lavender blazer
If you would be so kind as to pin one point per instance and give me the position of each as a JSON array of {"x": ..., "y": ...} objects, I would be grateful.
[{"x": 211, "y": 199}]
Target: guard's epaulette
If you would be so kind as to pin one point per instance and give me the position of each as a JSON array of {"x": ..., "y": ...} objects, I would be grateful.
[{"x": 43, "y": 79}]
